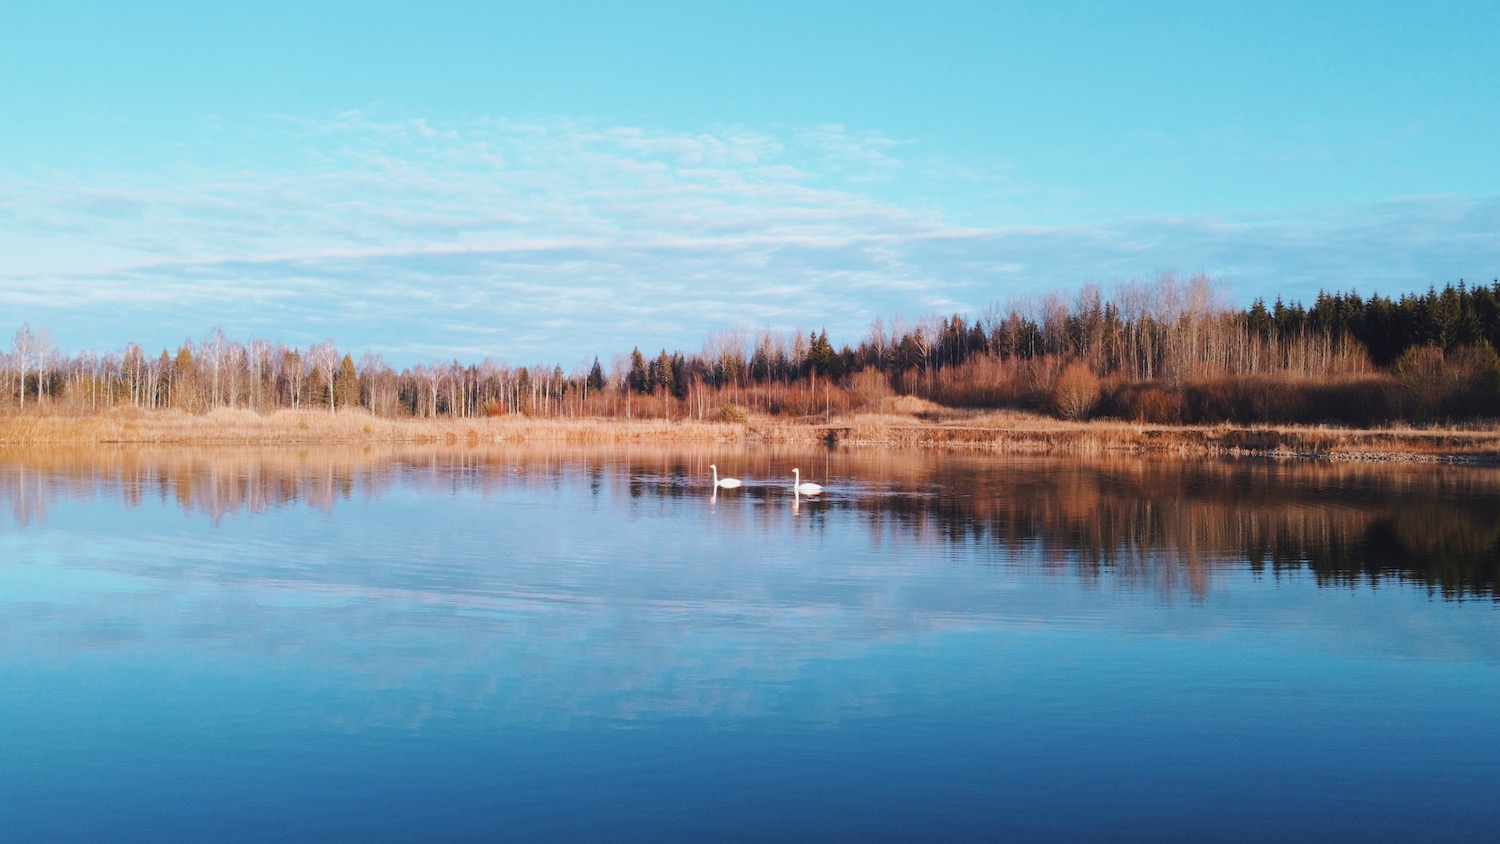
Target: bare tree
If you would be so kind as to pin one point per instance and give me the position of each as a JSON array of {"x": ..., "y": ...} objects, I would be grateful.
[
  {"x": 324, "y": 358},
  {"x": 261, "y": 365},
  {"x": 294, "y": 374},
  {"x": 213, "y": 350},
  {"x": 30, "y": 347},
  {"x": 433, "y": 375},
  {"x": 380, "y": 384},
  {"x": 234, "y": 363},
  {"x": 133, "y": 373}
]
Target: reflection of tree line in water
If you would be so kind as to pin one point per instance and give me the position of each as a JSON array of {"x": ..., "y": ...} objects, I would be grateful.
[
  {"x": 1176, "y": 522},
  {"x": 216, "y": 482},
  {"x": 1172, "y": 523}
]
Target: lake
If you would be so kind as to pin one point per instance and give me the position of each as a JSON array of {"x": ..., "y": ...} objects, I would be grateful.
[{"x": 591, "y": 644}]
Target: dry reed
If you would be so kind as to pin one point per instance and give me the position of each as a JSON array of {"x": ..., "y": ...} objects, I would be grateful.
[{"x": 907, "y": 424}]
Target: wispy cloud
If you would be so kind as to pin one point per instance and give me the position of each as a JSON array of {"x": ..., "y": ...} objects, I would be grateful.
[{"x": 552, "y": 241}]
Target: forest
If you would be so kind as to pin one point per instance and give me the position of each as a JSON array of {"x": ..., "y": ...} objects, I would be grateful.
[{"x": 1167, "y": 351}]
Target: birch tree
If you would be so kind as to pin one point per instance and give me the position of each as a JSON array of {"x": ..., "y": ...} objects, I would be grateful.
[
  {"x": 29, "y": 347},
  {"x": 324, "y": 358}
]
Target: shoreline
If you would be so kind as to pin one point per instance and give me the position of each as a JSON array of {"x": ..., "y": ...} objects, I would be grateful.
[{"x": 997, "y": 431}]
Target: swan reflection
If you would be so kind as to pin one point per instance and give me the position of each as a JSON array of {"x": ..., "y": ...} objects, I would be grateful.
[{"x": 1170, "y": 523}]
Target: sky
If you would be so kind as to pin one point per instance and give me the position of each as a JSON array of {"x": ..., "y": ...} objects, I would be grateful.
[{"x": 543, "y": 183}]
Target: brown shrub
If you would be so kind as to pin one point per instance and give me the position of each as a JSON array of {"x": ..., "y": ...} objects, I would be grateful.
[
  {"x": 1076, "y": 391},
  {"x": 1462, "y": 384},
  {"x": 1421, "y": 373},
  {"x": 1371, "y": 400},
  {"x": 1361, "y": 402},
  {"x": 1144, "y": 401},
  {"x": 869, "y": 386},
  {"x": 910, "y": 406},
  {"x": 1473, "y": 382},
  {"x": 989, "y": 381}
]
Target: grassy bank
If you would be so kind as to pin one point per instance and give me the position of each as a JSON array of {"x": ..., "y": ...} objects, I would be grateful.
[
  {"x": 927, "y": 426},
  {"x": 245, "y": 427},
  {"x": 1018, "y": 433}
]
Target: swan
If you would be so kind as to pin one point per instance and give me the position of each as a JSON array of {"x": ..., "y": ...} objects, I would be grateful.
[
  {"x": 807, "y": 488},
  {"x": 726, "y": 483}
]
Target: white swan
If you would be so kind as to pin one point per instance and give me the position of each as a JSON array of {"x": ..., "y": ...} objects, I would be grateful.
[
  {"x": 808, "y": 488},
  {"x": 726, "y": 483}
]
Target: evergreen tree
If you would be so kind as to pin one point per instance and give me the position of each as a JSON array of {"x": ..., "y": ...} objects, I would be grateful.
[
  {"x": 661, "y": 369},
  {"x": 821, "y": 358},
  {"x": 1258, "y": 319},
  {"x": 636, "y": 381},
  {"x": 163, "y": 385},
  {"x": 346, "y": 383},
  {"x": 678, "y": 370},
  {"x": 183, "y": 379},
  {"x": 595, "y": 381}
]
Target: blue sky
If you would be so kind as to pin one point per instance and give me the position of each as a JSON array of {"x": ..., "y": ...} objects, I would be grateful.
[{"x": 546, "y": 183}]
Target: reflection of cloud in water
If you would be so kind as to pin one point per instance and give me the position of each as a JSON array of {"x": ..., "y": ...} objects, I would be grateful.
[
  {"x": 557, "y": 585},
  {"x": 557, "y": 657}
]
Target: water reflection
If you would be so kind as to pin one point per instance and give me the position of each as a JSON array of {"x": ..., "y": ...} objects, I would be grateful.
[
  {"x": 941, "y": 646},
  {"x": 1161, "y": 524}
]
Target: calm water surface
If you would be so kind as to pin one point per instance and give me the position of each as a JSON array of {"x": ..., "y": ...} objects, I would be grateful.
[{"x": 531, "y": 644}]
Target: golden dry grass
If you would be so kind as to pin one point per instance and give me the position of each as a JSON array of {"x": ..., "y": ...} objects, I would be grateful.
[
  {"x": 1021, "y": 432},
  {"x": 307, "y": 426},
  {"x": 904, "y": 424}
]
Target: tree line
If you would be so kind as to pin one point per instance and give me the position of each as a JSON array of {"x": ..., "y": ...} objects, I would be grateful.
[{"x": 1168, "y": 350}]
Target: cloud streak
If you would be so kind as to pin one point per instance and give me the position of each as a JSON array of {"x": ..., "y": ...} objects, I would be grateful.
[{"x": 555, "y": 241}]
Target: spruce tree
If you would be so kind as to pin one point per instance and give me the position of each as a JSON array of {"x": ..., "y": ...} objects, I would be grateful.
[
  {"x": 346, "y": 383},
  {"x": 663, "y": 369},
  {"x": 637, "y": 381},
  {"x": 596, "y": 377}
]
